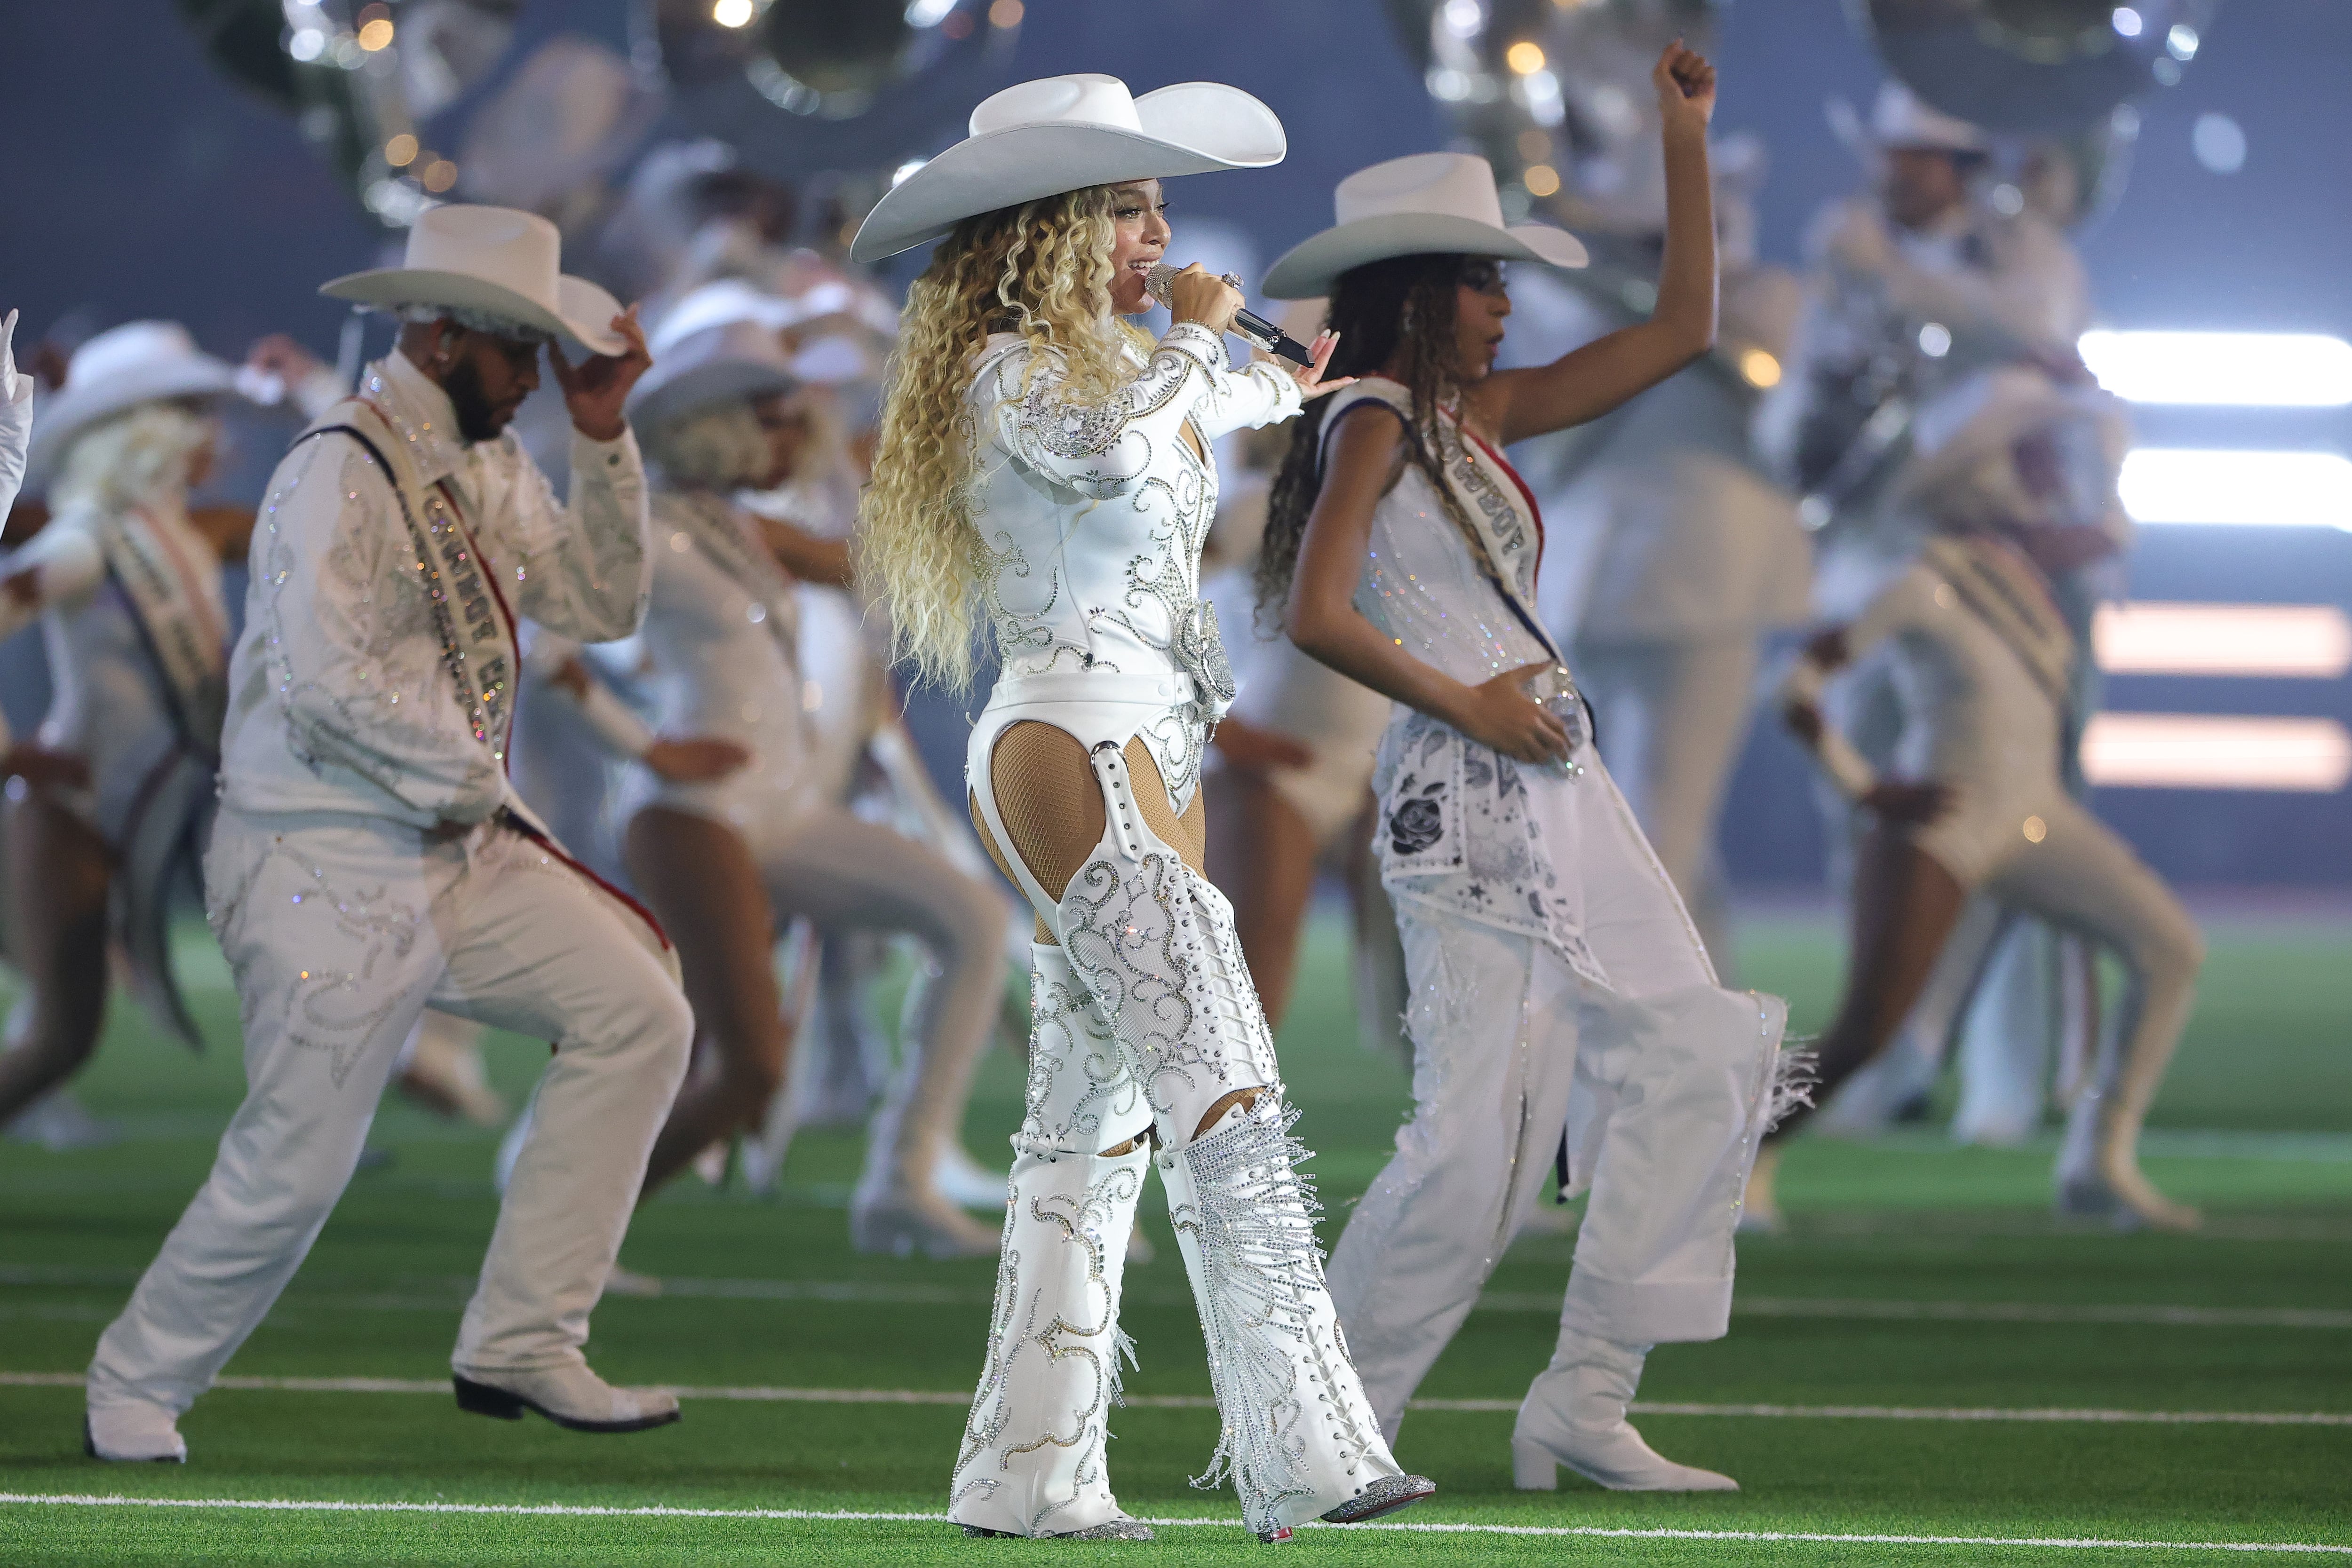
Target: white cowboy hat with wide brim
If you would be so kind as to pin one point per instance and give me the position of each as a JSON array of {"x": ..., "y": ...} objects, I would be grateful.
[
  {"x": 1900, "y": 120},
  {"x": 1042, "y": 137},
  {"x": 1430, "y": 204},
  {"x": 832, "y": 360},
  {"x": 118, "y": 370},
  {"x": 493, "y": 261},
  {"x": 724, "y": 361}
]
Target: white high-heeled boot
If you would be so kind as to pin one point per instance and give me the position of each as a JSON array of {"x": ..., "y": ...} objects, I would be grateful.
[
  {"x": 1032, "y": 1459},
  {"x": 1300, "y": 1438},
  {"x": 1574, "y": 1415}
]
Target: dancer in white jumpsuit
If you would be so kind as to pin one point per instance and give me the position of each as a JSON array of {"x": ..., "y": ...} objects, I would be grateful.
[
  {"x": 728, "y": 861},
  {"x": 1040, "y": 464},
  {"x": 1556, "y": 981},
  {"x": 138, "y": 652},
  {"x": 371, "y": 858},
  {"x": 1982, "y": 659}
]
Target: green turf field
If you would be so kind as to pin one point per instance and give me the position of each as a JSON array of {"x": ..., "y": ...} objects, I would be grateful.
[{"x": 1927, "y": 1369}]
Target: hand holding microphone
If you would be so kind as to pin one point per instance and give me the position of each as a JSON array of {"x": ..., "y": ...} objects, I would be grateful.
[{"x": 1197, "y": 295}]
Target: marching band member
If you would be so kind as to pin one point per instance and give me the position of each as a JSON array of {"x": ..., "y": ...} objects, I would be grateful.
[
  {"x": 1556, "y": 982},
  {"x": 727, "y": 855},
  {"x": 370, "y": 857},
  {"x": 1043, "y": 468},
  {"x": 137, "y": 639}
]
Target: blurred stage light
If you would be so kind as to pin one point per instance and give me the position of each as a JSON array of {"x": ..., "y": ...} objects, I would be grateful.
[
  {"x": 2127, "y": 22},
  {"x": 1759, "y": 369},
  {"x": 2296, "y": 489},
  {"x": 2194, "y": 751},
  {"x": 2181, "y": 41},
  {"x": 2248, "y": 369},
  {"x": 1541, "y": 179},
  {"x": 2156, "y": 637},
  {"x": 1524, "y": 56},
  {"x": 307, "y": 44},
  {"x": 732, "y": 13},
  {"x": 1935, "y": 339},
  {"x": 1005, "y": 13},
  {"x": 375, "y": 35},
  {"x": 931, "y": 13},
  {"x": 401, "y": 150},
  {"x": 2219, "y": 143}
]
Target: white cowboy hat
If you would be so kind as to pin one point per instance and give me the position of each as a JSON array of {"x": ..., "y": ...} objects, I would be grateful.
[
  {"x": 1428, "y": 204},
  {"x": 1901, "y": 121},
  {"x": 489, "y": 261},
  {"x": 1065, "y": 133},
  {"x": 727, "y": 361},
  {"x": 120, "y": 368},
  {"x": 1989, "y": 412},
  {"x": 832, "y": 360}
]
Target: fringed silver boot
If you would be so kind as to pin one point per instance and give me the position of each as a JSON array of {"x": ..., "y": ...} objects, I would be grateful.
[{"x": 1299, "y": 1439}]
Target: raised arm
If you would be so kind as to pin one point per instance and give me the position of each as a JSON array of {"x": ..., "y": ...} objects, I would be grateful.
[
  {"x": 1366, "y": 458},
  {"x": 1586, "y": 382}
]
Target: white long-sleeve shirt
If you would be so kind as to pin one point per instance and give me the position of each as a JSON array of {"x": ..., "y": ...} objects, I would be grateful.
[{"x": 340, "y": 698}]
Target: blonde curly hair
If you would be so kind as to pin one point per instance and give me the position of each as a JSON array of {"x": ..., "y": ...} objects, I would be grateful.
[{"x": 1042, "y": 269}]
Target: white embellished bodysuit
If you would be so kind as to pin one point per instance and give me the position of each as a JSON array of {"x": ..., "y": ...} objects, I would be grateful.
[{"x": 1090, "y": 517}]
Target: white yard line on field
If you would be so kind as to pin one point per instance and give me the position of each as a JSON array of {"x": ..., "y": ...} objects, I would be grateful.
[
  {"x": 757, "y": 1394},
  {"x": 812, "y": 1515},
  {"x": 889, "y": 1292}
]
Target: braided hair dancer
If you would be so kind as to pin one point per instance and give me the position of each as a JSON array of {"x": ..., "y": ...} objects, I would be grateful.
[
  {"x": 1555, "y": 979},
  {"x": 1044, "y": 463}
]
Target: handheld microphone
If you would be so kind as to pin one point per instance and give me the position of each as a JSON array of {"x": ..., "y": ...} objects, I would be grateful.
[{"x": 1256, "y": 329}]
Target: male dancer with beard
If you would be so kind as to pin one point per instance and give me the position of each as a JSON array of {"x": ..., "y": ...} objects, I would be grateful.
[{"x": 371, "y": 858}]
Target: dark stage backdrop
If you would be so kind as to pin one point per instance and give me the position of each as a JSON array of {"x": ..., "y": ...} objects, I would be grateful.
[{"x": 136, "y": 182}]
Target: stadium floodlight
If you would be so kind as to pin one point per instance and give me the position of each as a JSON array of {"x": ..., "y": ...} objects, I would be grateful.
[
  {"x": 2187, "y": 485},
  {"x": 2165, "y": 637},
  {"x": 2201, "y": 752},
  {"x": 2246, "y": 369}
]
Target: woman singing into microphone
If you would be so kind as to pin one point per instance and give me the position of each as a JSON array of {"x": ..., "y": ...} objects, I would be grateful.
[
  {"x": 1556, "y": 981},
  {"x": 1046, "y": 465}
]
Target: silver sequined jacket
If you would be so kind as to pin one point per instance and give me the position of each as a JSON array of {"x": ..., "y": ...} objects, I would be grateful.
[
  {"x": 1092, "y": 515},
  {"x": 339, "y": 699}
]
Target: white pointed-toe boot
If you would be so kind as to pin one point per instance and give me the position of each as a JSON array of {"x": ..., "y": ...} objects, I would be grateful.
[
  {"x": 131, "y": 1434},
  {"x": 570, "y": 1394},
  {"x": 1574, "y": 1415},
  {"x": 1032, "y": 1459}
]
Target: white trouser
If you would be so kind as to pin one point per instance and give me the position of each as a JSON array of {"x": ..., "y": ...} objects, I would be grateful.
[
  {"x": 1669, "y": 717},
  {"x": 339, "y": 930},
  {"x": 1663, "y": 1097}
]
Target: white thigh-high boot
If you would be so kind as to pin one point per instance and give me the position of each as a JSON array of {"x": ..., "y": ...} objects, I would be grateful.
[
  {"x": 1155, "y": 945},
  {"x": 1032, "y": 1460}
]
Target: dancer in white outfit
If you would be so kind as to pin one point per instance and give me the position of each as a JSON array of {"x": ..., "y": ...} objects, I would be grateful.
[
  {"x": 1556, "y": 981},
  {"x": 371, "y": 858},
  {"x": 1982, "y": 661},
  {"x": 138, "y": 646},
  {"x": 727, "y": 860},
  {"x": 32, "y": 579},
  {"x": 1039, "y": 462}
]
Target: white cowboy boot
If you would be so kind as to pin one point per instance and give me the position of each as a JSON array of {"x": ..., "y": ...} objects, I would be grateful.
[
  {"x": 569, "y": 1395},
  {"x": 1574, "y": 1415}
]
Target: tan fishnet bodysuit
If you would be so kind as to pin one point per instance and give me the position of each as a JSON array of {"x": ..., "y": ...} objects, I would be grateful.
[{"x": 1053, "y": 808}]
